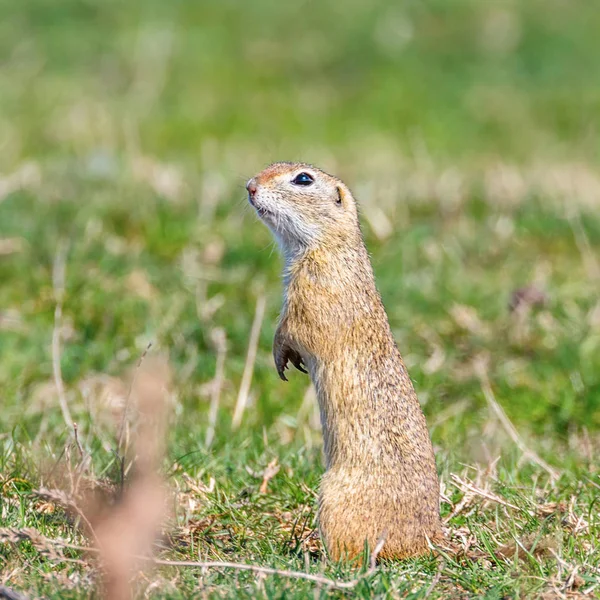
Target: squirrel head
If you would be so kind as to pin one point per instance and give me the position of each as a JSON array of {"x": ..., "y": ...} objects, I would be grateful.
[{"x": 304, "y": 207}]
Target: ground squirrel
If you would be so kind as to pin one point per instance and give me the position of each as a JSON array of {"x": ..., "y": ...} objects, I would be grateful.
[{"x": 380, "y": 481}]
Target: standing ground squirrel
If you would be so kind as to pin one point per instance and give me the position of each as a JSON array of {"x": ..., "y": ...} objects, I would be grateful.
[{"x": 380, "y": 480}]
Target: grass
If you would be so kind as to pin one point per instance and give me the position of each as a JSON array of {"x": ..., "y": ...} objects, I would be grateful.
[{"x": 468, "y": 132}]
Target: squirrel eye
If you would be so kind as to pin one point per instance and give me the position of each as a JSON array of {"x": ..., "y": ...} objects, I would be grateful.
[{"x": 303, "y": 179}]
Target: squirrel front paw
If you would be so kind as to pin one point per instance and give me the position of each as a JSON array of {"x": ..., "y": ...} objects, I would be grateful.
[{"x": 284, "y": 353}]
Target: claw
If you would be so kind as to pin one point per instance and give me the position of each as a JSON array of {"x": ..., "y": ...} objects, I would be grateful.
[
  {"x": 297, "y": 362},
  {"x": 281, "y": 366},
  {"x": 283, "y": 354}
]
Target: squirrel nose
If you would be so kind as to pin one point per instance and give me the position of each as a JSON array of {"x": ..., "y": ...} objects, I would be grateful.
[{"x": 251, "y": 187}]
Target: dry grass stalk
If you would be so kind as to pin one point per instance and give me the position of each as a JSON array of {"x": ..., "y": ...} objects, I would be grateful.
[
  {"x": 220, "y": 342},
  {"x": 469, "y": 488},
  {"x": 58, "y": 284},
  {"x": 242, "y": 399},
  {"x": 319, "y": 579},
  {"x": 32, "y": 534},
  {"x": 508, "y": 426},
  {"x": 124, "y": 415},
  {"x": 69, "y": 503},
  {"x": 77, "y": 442},
  {"x": 50, "y": 549}
]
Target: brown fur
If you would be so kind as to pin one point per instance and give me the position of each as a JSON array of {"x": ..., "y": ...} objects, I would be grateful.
[{"x": 380, "y": 478}]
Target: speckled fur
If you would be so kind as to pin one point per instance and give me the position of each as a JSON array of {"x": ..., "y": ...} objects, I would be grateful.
[{"x": 380, "y": 477}]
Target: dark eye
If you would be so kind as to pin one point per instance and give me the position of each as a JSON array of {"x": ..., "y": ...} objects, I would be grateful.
[{"x": 303, "y": 179}]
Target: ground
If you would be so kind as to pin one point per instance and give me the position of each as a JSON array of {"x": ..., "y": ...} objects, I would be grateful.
[{"x": 468, "y": 132}]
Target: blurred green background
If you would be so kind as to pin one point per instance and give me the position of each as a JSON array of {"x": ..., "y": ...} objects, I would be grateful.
[
  {"x": 468, "y": 131},
  {"x": 469, "y": 79}
]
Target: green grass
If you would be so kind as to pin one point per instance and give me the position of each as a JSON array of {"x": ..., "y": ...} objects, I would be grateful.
[{"x": 127, "y": 132}]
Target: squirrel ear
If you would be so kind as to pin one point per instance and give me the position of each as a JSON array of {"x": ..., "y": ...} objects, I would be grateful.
[{"x": 340, "y": 194}]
